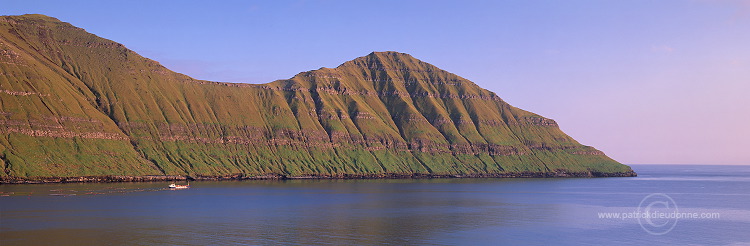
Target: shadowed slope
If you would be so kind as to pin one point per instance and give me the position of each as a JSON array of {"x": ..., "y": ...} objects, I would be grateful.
[{"x": 75, "y": 104}]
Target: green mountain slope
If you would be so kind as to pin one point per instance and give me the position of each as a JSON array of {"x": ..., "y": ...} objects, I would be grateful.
[{"x": 74, "y": 104}]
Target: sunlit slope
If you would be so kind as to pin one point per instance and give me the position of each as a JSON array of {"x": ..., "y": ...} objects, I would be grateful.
[{"x": 74, "y": 104}]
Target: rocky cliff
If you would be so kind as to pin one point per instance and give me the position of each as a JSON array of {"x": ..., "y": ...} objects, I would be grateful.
[{"x": 74, "y": 104}]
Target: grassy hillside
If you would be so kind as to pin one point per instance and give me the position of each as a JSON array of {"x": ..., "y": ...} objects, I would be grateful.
[{"x": 74, "y": 104}]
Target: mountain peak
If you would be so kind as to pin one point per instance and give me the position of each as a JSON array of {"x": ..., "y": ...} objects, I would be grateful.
[
  {"x": 32, "y": 17},
  {"x": 390, "y": 54},
  {"x": 392, "y": 57},
  {"x": 390, "y": 60}
]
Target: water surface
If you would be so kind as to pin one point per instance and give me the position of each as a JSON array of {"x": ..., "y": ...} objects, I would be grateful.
[{"x": 422, "y": 211}]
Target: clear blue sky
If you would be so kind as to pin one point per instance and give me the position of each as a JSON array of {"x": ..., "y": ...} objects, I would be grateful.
[{"x": 663, "y": 81}]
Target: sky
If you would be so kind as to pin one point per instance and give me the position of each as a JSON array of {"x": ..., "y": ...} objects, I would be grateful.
[{"x": 647, "y": 82}]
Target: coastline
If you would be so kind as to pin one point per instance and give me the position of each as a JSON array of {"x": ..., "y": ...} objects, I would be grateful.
[{"x": 159, "y": 178}]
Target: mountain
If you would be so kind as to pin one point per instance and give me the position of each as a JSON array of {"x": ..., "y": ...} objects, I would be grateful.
[{"x": 74, "y": 104}]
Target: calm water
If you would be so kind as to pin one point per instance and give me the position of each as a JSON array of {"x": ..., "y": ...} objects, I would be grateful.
[{"x": 438, "y": 211}]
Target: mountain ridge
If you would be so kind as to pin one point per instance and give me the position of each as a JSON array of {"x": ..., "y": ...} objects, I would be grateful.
[{"x": 74, "y": 104}]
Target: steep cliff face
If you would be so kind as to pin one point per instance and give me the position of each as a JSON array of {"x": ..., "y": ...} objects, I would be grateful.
[{"x": 73, "y": 104}]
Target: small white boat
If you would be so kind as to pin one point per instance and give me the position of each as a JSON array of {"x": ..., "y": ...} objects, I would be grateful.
[{"x": 176, "y": 186}]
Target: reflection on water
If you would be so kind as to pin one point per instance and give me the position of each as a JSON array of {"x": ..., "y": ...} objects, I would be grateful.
[
  {"x": 428, "y": 211},
  {"x": 78, "y": 191}
]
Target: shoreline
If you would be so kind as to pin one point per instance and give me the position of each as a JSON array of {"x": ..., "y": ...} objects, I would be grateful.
[{"x": 159, "y": 178}]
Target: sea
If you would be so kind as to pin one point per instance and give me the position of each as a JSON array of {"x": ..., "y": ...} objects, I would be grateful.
[{"x": 664, "y": 205}]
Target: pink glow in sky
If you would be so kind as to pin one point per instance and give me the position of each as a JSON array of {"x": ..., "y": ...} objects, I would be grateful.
[{"x": 647, "y": 82}]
